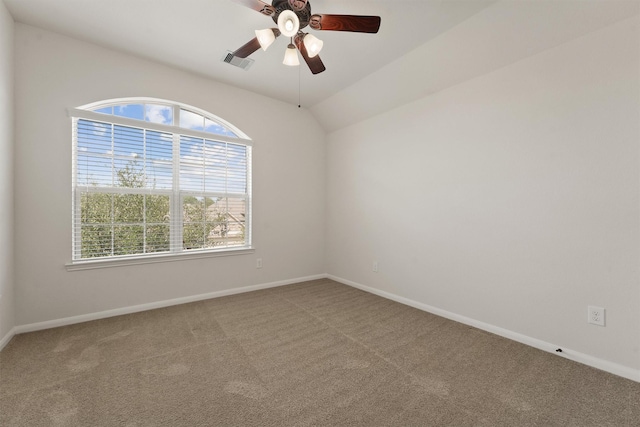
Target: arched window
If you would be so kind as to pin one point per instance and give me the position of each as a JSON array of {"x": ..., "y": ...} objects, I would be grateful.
[{"x": 153, "y": 178}]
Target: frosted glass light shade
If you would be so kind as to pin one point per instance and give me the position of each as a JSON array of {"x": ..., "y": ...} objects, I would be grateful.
[
  {"x": 313, "y": 45},
  {"x": 291, "y": 56},
  {"x": 288, "y": 23},
  {"x": 265, "y": 38}
]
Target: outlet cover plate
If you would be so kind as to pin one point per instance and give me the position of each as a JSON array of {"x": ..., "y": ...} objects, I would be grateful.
[{"x": 595, "y": 315}]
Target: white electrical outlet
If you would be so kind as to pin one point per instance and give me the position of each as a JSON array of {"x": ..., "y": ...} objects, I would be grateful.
[
  {"x": 375, "y": 266},
  {"x": 595, "y": 315},
  {"x": 259, "y": 263}
]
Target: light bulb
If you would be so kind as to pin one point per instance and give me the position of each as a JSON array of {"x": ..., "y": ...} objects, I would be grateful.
[
  {"x": 313, "y": 45},
  {"x": 291, "y": 56},
  {"x": 288, "y": 23},
  {"x": 265, "y": 38}
]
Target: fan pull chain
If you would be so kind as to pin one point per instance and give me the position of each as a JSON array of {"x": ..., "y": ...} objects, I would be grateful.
[{"x": 299, "y": 86}]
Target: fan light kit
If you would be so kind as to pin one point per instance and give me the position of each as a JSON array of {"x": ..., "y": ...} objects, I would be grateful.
[
  {"x": 288, "y": 23},
  {"x": 293, "y": 15},
  {"x": 313, "y": 45},
  {"x": 291, "y": 56},
  {"x": 266, "y": 37}
]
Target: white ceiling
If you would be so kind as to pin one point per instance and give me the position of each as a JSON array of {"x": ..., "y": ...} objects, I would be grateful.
[{"x": 194, "y": 35}]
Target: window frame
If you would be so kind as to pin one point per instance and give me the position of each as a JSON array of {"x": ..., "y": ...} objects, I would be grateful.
[{"x": 176, "y": 195}]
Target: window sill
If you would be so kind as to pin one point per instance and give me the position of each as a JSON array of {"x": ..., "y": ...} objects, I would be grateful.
[{"x": 151, "y": 259}]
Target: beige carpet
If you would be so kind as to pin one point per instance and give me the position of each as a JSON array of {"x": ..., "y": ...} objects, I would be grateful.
[{"x": 314, "y": 353}]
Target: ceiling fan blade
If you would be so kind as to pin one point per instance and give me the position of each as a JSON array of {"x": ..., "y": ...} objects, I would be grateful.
[
  {"x": 247, "y": 48},
  {"x": 355, "y": 23},
  {"x": 258, "y": 5},
  {"x": 315, "y": 64}
]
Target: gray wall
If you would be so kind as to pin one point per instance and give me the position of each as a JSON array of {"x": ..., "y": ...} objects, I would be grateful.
[
  {"x": 53, "y": 73},
  {"x": 511, "y": 199},
  {"x": 6, "y": 173}
]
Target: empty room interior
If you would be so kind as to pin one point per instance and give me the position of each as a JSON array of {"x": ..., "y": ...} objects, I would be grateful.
[{"x": 380, "y": 212}]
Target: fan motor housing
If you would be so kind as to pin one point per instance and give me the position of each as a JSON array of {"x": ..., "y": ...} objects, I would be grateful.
[{"x": 304, "y": 15}]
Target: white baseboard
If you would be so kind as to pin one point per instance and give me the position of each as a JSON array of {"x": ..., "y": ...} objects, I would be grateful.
[
  {"x": 150, "y": 306},
  {"x": 5, "y": 340},
  {"x": 604, "y": 365}
]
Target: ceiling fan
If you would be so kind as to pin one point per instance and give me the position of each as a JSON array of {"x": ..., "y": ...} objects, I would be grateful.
[{"x": 293, "y": 15}]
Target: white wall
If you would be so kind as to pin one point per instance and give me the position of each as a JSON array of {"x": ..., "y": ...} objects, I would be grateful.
[
  {"x": 511, "y": 199},
  {"x": 53, "y": 73},
  {"x": 6, "y": 173}
]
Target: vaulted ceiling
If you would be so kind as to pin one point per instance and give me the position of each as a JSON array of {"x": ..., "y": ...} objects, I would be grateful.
[
  {"x": 196, "y": 34},
  {"x": 423, "y": 46}
]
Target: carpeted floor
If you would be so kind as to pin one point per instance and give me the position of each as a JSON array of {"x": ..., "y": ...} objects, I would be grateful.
[{"x": 314, "y": 353}]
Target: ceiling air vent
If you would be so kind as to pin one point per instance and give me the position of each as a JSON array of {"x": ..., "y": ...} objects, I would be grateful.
[{"x": 244, "y": 63}]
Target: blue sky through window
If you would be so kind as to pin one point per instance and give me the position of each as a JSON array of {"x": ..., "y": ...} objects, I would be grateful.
[
  {"x": 131, "y": 111},
  {"x": 105, "y": 149},
  {"x": 212, "y": 166},
  {"x": 163, "y": 114}
]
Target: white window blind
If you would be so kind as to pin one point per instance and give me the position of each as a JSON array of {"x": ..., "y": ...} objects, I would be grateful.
[
  {"x": 144, "y": 186},
  {"x": 213, "y": 183}
]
